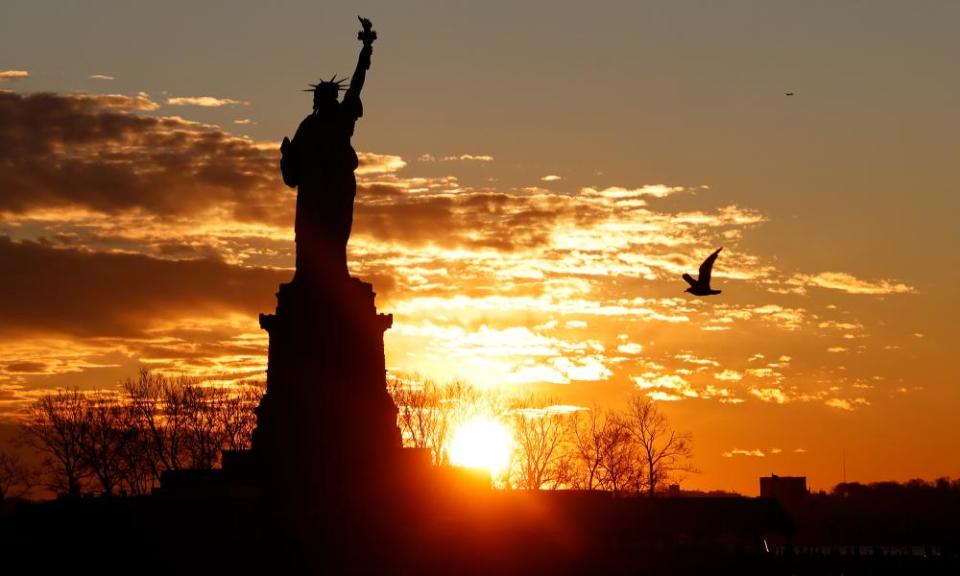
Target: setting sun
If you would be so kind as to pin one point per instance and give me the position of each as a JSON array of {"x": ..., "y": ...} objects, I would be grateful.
[{"x": 482, "y": 442}]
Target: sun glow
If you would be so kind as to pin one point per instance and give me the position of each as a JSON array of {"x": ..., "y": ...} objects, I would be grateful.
[{"x": 482, "y": 442}]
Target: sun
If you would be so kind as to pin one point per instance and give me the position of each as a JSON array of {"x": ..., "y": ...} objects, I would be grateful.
[{"x": 482, "y": 442}]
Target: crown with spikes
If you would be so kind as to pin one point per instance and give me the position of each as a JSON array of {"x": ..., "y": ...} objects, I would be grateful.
[{"x": 333, "y": 82}]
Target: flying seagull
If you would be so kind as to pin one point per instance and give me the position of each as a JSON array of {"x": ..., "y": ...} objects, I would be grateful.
[{"x": 701, "y": 286}]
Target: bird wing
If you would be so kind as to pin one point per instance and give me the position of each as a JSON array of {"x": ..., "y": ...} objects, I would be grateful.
[
  {"x": 706, "y": 269},
  {"x": 690, "y": 280}
]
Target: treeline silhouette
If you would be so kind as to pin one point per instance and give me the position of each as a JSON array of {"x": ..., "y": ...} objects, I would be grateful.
[
  {"x": 119, "y": 442},
  {"x": 887, "y": 514},
  {"x": 577, "y": 500},
  {"x": 633, "y": 450}
]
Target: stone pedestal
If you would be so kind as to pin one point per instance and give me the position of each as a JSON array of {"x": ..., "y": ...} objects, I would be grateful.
[{"x": 326, "y": 428}]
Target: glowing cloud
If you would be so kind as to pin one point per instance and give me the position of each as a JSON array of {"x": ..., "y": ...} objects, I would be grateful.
[
  {"x": 851, "y": 284},
  {"x": 741, "y": 452},
  {"x": 12, "y": 75},
  {"x": 847, "y": 404},
  {"x": 141, "y": 102},
  {"x": 469, "y": 158},
  {"x": 775, "y": 395},
  {"x": 203, "y": 101}
]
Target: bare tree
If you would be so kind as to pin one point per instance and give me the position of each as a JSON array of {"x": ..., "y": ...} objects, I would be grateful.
[
  {"x": 140, "y": 470},
  {"x": 237, "y": 415},
  {"x": 162, "y": 407},
  {"x": 604, "y": 451},
  {"x": 55, "y": 427},
  {"x": 541, "y": 457},
  {"x": 103, "y": 440},
  {"x": 422, "y": 416},
  {"x": 16, "y": 478},
  {"x": 205, "y": 434},
  {"x": 586, "y": 431},
  {"x": 618, "y": 472},
  {"x": 125, "y": 441},
  {"x": 663, "y": 452},
  {"x": 187, "y": 424},
  {"x": 427, "y": 412}
]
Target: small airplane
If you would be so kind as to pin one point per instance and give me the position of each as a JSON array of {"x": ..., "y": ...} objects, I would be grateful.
[
  {"x": 701, "y": 286},
  {"x": 788, "y": 93}
]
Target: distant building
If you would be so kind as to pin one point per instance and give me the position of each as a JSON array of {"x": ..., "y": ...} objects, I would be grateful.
[{"x": 785, "y": 489}]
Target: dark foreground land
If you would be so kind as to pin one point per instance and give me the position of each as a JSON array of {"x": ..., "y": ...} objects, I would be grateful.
[{"x": 472, "y": 532}]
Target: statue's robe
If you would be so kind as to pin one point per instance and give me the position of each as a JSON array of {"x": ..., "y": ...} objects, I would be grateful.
[{"x": 320, "y": 161}]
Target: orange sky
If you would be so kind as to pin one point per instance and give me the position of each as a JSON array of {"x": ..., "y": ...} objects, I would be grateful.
[{"x": 138, "y": 228}]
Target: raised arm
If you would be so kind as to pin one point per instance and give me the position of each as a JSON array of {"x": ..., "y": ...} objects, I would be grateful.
[{"x": 367, "y": 35}]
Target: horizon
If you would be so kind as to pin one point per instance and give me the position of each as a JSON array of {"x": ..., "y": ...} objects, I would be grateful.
[{"x": 525, "y": 209}]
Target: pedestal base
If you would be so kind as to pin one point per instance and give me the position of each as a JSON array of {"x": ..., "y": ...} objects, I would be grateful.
[{"x": 326, "y": 427}]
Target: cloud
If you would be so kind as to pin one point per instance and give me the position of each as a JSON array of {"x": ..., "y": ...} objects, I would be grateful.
[
  {"x": 484, "y": 283},
  {"x": 846, "y": 404},
  {"x": 775, "y": 395},
  {"x": 619, "y": 193},
  {"x": 25, "y": 367},
  {"x": 468, "y": 158},
  {"x": 661, "y": 396},
  {"x": 90, "y": 151},
  {"x": 74, "y": 292},
  {"x": 139, "y": 103},
  {"x": 427, "y": 157},
  {"x": 665, "y": 385},
  {"x": 100, "y": 77},
  {"x": 757, "y": 453},
  {"x": 561, "y": 409},
  {"x": 851, "y": 284},
  {"x": 493, "y": 356},
  {"x": 243, "y": 122},
  {"x": 379, "y": 163},
  {"x": 13, "y": 75},
  {"x": 631, "y": 348},
  {"x": 203, "y": 101},
  {"x": 694, "y": 359},
  {"x": 683, "y": 383},
  {"x": 833, "y": 324}
]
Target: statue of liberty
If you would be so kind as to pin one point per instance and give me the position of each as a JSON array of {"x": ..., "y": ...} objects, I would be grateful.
[{"x": 320, "y": 162}]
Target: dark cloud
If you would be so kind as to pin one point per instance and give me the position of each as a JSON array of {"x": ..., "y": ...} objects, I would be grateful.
[
  {"x": 474, "y": 219},
  {"x": 87, "y": 150},
  {"x": 100, "y": 153},
  {"x": 25, "y": 367},
  {"x": 49, "y": 290}
]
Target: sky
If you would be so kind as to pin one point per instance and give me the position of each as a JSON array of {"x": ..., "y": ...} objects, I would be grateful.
[{"x": 534, "y": 179}]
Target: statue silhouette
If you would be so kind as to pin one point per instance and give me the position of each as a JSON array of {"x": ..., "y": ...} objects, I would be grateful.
[
  {"x": 326, "y": 427},
  {"x": 320, "y": 162}
]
